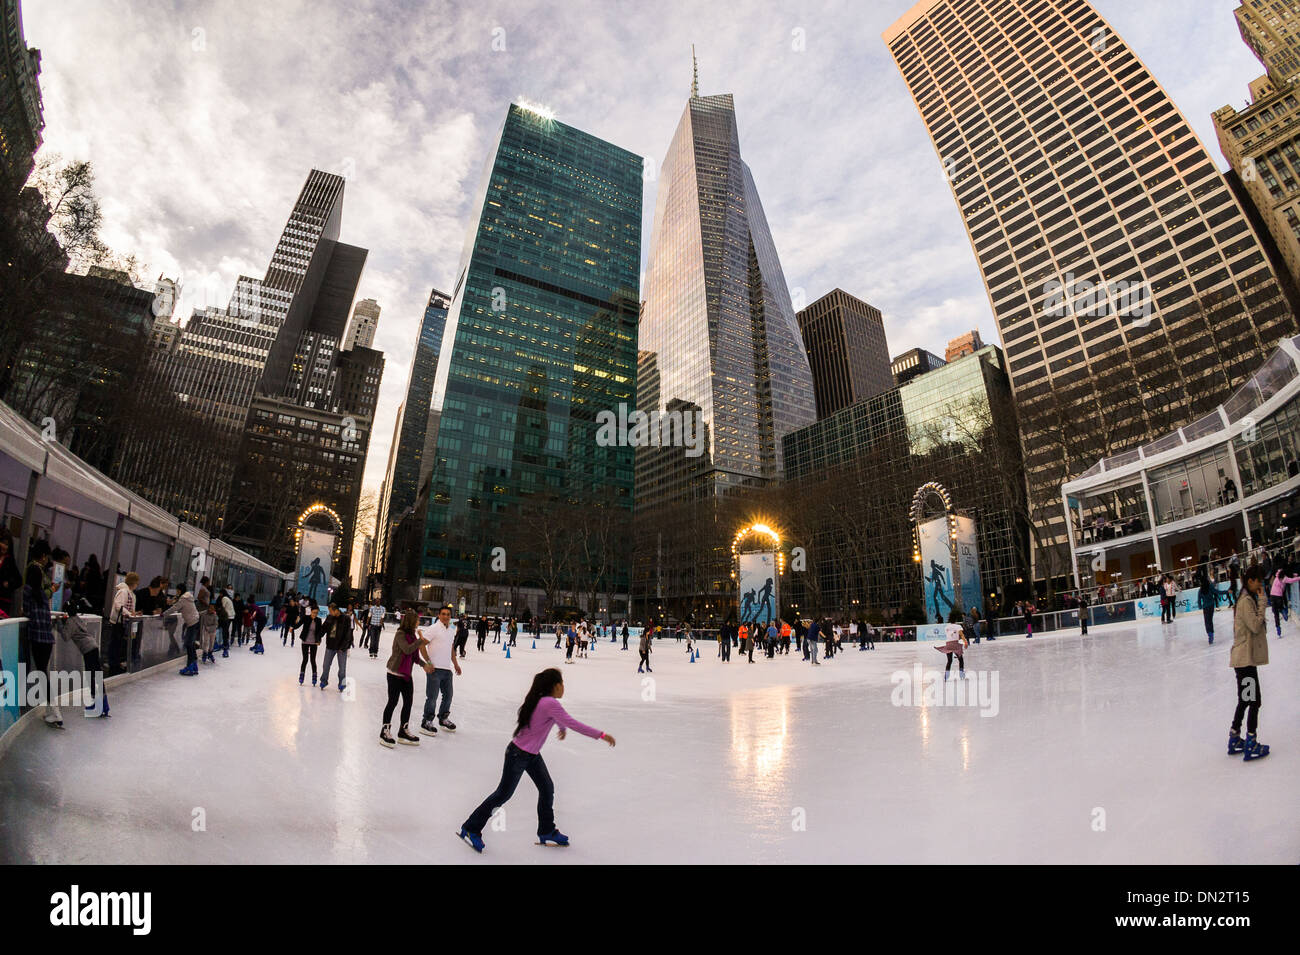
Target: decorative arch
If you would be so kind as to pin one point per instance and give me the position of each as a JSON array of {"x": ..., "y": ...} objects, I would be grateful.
[
  {"x": 925, "y": 492},
  {"x": 314, "y": 511},
  {"x": 757, "y": 529}
]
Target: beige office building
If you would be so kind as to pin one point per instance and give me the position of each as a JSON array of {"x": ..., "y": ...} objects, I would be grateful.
[
  {"x": 1262, "y": 142},
  {"x": 1131, "y": 293}
]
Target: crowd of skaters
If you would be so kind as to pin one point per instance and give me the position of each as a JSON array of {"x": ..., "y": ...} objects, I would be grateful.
[{"x": 214, "y": 620}]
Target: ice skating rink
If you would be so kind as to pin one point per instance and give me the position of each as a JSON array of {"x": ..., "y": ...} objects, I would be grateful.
[{"x": 1106, "y": 749}]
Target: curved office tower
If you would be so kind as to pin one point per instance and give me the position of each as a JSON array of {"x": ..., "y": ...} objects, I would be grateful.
[
  {"x": 716, "y": 321},
  {"x": 1130, "y": 290}
]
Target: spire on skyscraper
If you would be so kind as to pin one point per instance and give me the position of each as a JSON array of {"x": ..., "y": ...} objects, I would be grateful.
[{"x": 695, "y": 75}]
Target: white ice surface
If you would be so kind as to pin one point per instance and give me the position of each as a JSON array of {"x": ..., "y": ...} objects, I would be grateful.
[{"x": 718, "y": 764}]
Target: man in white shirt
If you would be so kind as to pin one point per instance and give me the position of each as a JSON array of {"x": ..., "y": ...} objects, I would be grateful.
[
  {"x": 376, "y": 627},
  {"x": 441, "y": 636}
]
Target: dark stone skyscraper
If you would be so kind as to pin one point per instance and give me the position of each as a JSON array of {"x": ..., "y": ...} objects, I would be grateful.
[
  {"x": 277, "y": 415},
  {"x": 21, "y": 111},
  {"x": 845, "y": 340}
]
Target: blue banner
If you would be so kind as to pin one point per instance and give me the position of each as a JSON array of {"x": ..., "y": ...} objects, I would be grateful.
[{"x": 936, "y": 571}]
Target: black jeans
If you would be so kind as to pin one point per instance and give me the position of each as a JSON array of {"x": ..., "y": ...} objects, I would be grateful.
[
  {"x": 403, "y": 687},
  {"x": 518, "y": 762},
  {"x": 1248, "y": 699},
  {"x": 308, "y": 652},
  {"x": 191, "y": 640},
  {"x": 726, "y": 648},
  {"x": 117, "y": 648},
  {"x": 645, "y": 660},
  {"x": 1279, "y": 607}
]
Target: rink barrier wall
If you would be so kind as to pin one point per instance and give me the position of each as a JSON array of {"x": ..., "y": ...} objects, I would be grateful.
[
  {"x": 160, "y": 645},
  {"x": 14, "y": 723}
]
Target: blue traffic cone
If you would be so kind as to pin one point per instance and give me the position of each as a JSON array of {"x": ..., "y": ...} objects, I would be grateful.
[
  {"x": 534, "y": 644},
  {"x": 692, "y": 656},
  {"x": 507, "y": 651}
]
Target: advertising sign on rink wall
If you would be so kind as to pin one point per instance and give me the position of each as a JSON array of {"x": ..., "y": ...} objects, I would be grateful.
[
  {"x": 937, "y": 571},
  {"x": 968, "y": 566},
  {"x": 758, "y": 588},
  {"x": 315, "y": 552}
]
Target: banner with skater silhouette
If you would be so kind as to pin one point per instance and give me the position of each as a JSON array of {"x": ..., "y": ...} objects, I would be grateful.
[
  {"x": 968, "y": 565},
  {"x": 937, "y": 571},
  {"x": 315, "y": 552},
  {"x": 758, "y": 588}
]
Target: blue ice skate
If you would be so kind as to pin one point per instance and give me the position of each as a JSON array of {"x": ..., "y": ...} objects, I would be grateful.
[
  {"x": 1254, "y": 749},
  {"x": 1235, "y": 744},
  {"x": 473, "y": 839},
  {"x": 559, "y": 838}
]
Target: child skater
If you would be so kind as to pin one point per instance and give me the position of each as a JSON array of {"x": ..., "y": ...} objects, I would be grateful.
[
  {"x": 540, "y": 711},
  {"x": 1277, "y": 597},
  {"x": 1249, "y": 653},
  {"x": 1207, "y": 599},
  {"x": 207, "y": 630},
  {"x": 956, "y": 643}
]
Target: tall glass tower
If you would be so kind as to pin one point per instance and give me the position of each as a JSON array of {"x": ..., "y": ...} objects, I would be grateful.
[
  {"x": 1131, "y": 292},
  {"x": 406, "y": 463},
  {"x": 719, "y": 343},
  {"x": 717, "y": 318},
  {"x": 540, "y": 337}
]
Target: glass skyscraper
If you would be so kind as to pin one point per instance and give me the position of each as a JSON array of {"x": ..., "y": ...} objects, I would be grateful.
[
  {"x": 406, "y": 464},
  {"x": 719, "y": 342},
  {"x": 852, "y": 475},
  {"x": 1130, "y": 290},
  {"x": 540, "y": 337},
  {"x": 717, "y": 316}
]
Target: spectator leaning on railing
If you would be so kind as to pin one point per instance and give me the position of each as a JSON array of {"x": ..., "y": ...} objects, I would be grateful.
[
  {"x": 40, "y": 627},
  {"x": 122, "y": 610},
  {"x": 184, "y": 605}
]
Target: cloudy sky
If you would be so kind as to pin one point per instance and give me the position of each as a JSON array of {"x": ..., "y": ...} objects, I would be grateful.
[{"x": 202, "y": 120}]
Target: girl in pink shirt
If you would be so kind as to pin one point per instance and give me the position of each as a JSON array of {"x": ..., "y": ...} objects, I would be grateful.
[
  {"x": 540, "y": 711},
  {"x": 1277, "y": 597}
]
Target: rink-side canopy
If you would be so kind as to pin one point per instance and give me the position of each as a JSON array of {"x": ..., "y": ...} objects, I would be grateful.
[
  {"x": 48, "y": 493},
  {"x": 1228, "y": 482}
]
